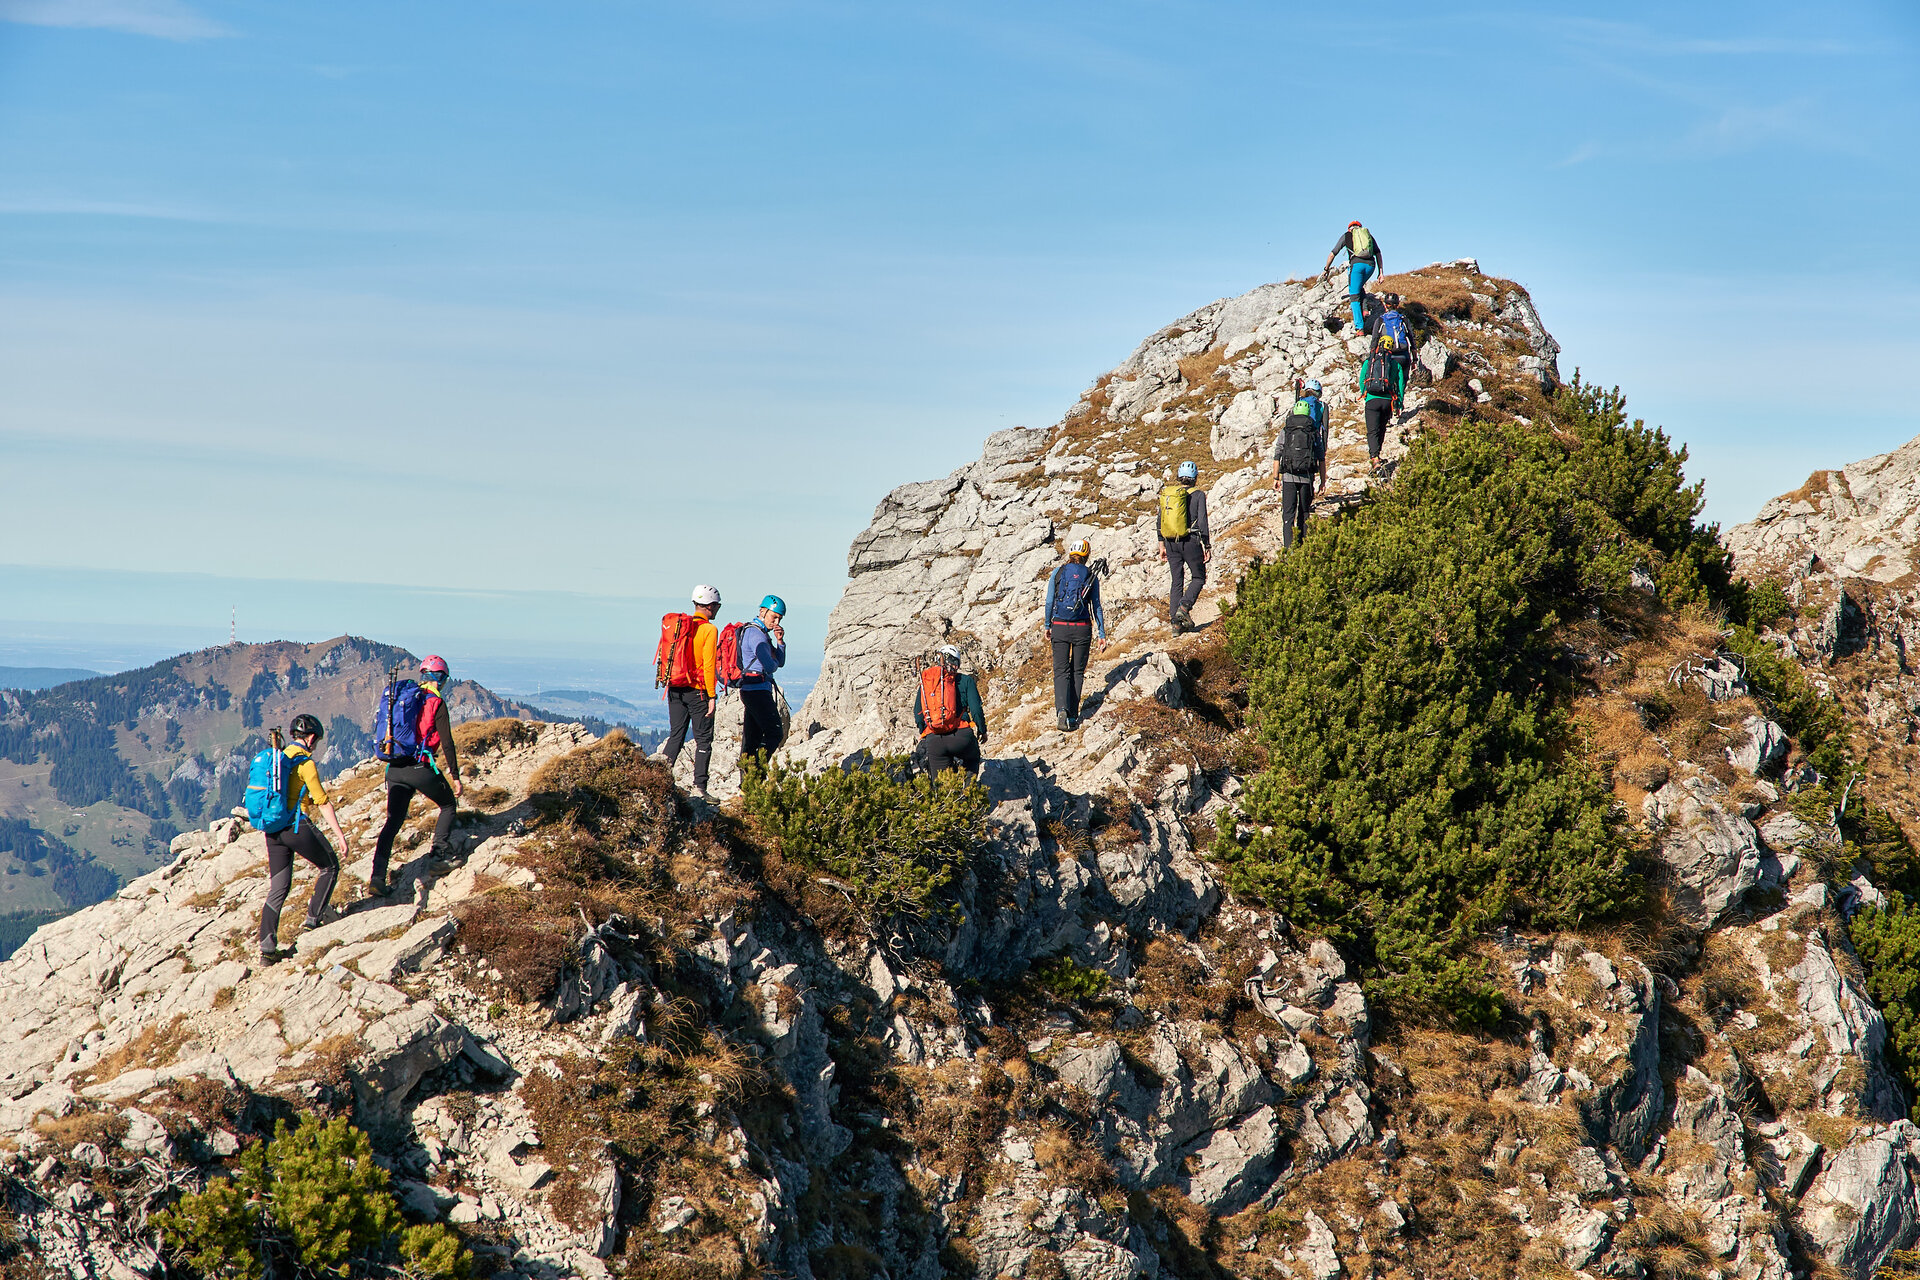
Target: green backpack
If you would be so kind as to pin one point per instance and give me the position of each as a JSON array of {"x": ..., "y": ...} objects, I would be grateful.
[
  {"x": 1173, "y": 511},
  {"x": 1362, "y": 242}
]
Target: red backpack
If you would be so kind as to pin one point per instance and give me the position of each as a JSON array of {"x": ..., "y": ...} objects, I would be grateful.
[
  {"x": 726, "y": 658},
  {"x": 940, "y": 700},
  {"x": 674, "y": 663}
]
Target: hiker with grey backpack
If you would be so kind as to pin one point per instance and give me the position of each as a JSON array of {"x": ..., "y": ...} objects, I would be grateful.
[
  {"x": 411, "y": 724},
  {"x": 283, "y": 797},
  {"x": 1073, "y": 612},
  {"x": 1186, "y": 544}
]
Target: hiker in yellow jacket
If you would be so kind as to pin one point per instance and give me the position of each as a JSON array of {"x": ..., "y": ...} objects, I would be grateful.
[{"x": 303, "y": 839}]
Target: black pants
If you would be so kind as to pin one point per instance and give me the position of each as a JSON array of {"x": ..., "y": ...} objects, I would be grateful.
[
  {"x": 281, "y": 848},
  {"x": 688, "y": 707},
  {"x": 956, "y": 750},
  {"x": 1185, "y": 556},
  {"x": 762, "y": 731},
  {"x": 403, "y": 780},
  {"x": 1296, "y": 500},
  {"x": 1072, "y": 641},
  {"x": 1379, "y": 414}
]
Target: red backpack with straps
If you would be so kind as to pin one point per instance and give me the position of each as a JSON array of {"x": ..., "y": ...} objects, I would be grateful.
[
  {"x": 940, "y": 700},
  {"x": 726, "y": 658},
  {"x": 674, "y": 664}
]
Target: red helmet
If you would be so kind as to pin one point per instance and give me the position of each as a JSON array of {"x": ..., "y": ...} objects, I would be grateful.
[
  {"x": 434, "y": 665},
  {"x": 1354, "y": 223}
]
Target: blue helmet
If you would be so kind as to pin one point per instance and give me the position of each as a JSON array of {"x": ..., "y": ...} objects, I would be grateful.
[
  {"x": 776, "y": 604},
  {"x": 1188, "y": 471},
  {"x": 1311, "y": 385}
]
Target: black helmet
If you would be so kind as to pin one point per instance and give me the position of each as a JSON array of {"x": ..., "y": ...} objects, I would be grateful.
[{"x": 305, "y": 726}]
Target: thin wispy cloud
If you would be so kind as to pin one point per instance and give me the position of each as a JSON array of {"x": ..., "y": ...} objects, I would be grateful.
[
  {"x": 164, "y": 19},
  {"x": 56, "y": 206},
  {"x": 1630, "y": 37}
]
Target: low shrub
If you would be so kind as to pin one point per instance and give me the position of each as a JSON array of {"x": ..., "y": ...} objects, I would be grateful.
[
  {"x": 1887, "y": 940},
  {"x": 478, "y": 737},
  {"x": 1410, "y": 683},
  {"x": 311, "y": 1198},
  {"x": 1063, "y": 979},
  {"x": 1816, "y": 721},
  {"x": 608, "y": 788},
  {"x": 896, "y": 843}
]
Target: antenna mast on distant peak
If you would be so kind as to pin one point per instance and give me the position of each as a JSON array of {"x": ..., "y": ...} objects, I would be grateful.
[{"x": 233, "y": 625}]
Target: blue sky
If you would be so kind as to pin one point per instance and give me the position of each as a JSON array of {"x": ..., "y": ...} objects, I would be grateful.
[{"x": 606, "y": 299}]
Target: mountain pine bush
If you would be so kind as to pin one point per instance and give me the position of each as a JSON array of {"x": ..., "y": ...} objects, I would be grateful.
[
  {"x": 310, "y": 1197},
  {"x": 898, "y": 843},
  {"x": 1408, "y": 681}
]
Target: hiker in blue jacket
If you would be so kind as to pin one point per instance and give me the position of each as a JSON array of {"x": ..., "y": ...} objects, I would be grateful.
[
  {"x": 763, "y": 651},
  {"x": 1364, "y": 261},
  {"x": 1073, "y": 613}
]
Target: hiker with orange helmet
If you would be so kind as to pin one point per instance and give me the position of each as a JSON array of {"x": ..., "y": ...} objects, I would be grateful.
[
  {"x": 685, "y": 664},
  {"x": 943, "y": 703},
  {"x": 1364, "y": 261},
  {"x": 410, "y": 725},
  {"x": 1072, "y": 612}
]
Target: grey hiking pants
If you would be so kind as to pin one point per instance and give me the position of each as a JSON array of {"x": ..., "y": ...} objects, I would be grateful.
[
  {"x": 308, "y": 843},
  {"x": 1072, "y": 641},
  {"x": 687, "y": 708},
  {"x": 1185, "y": 556}
]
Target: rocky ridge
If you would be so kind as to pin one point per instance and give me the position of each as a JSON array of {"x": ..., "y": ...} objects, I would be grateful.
[{"x": 1714, "y": 1100}]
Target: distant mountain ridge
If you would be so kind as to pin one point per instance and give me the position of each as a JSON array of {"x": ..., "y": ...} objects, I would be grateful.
[{"x": 98, "y": 774}]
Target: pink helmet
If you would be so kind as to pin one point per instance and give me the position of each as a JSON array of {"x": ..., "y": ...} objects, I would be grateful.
[{"x": 434, "y": 665}]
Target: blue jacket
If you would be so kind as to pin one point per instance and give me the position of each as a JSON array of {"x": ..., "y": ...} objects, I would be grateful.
[
  {"x": 1093, "y": 601},
  {"x": 760, "y": 657}
]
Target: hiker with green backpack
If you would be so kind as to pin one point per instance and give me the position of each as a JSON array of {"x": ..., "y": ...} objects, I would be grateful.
[
  {"x": 1299, "y": 453},
  {"x": 1383, "y": 382},
  {"x": 283, "y": 795},
  {"x": 1186, "y": 544},
  {"x": 1364, "y": 261}
]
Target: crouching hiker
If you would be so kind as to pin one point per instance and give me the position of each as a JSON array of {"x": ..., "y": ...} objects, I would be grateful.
[
  {"x": 1073, "y": 612},
  {"x": 942, "y": 705},
  {"x": 283, "y": 795},
  {"x": 410, "y": 724}
]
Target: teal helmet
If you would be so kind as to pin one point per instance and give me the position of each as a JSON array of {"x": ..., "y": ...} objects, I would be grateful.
[
  {"x": 1189, "y": 471},
  {"x": 776, "y": 604}
]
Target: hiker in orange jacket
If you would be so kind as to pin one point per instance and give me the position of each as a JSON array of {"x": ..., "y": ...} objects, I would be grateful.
[{"x": 691, "y": 693}]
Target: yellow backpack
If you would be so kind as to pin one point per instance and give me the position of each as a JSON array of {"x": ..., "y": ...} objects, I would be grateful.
[
  {"x": 1362, "y": 242},
  {"x": 1173, "y": 511}
]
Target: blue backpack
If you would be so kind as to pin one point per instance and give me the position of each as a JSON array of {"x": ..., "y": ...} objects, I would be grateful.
[
  {"x": 396, "y": 723},
  {"x": 269, "y": 808},
  {"x": 1394, "y": 325},
  {"x": 1071, "y": 589}
]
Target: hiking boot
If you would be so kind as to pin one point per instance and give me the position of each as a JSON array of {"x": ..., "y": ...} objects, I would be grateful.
[
  {"x": 1061, "y": 722},
  {"x": 325, "y": 917},
  {"x": 378, "y": 887},
  {"x": 700, "y": 794},
  {"x": 274, "y": 955}
]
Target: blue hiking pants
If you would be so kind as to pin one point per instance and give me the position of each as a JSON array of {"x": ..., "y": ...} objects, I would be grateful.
[{"x": 1357, "y": 276}]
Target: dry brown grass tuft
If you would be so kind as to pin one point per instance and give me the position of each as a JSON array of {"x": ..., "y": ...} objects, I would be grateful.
[
  {"x": 479, "y": 737},
  {"x": 152, "y": 1047},
  {"x": 102, "y": 1128}
]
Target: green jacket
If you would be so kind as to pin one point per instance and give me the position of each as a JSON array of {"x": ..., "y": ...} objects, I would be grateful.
[
  {"x": 970, "y": 708},
  {"x": 1399, "y": 379}
]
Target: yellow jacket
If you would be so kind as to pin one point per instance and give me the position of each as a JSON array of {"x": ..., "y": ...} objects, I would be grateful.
[{"x": 306, "y": 773}]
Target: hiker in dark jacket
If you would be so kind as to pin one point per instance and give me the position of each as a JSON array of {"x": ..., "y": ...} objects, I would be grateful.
[
  {"x": 956, "y": 748},
  {"x": 1185, "y": 544},
  {"x": 1380, "y": 403},
  {"x": 421, "y": 776},
  {"x": 1073, "y": 612},
  {"x": 1364, "y": 261},
  {"x": 763, "y": 651},
  {"x": 1294, "y": 475}
]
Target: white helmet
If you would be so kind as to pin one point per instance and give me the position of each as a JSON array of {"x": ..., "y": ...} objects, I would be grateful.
[
  {"x": 950, "y": 654},
  {"x": 704, "y": 594}
]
